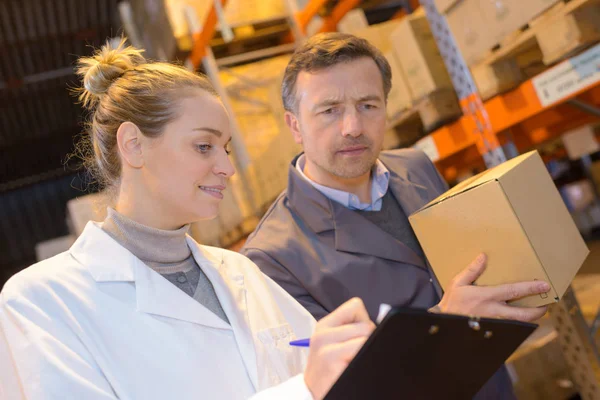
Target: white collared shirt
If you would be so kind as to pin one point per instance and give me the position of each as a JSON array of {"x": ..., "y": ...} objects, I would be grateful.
[{"x": 379, "y": 187}]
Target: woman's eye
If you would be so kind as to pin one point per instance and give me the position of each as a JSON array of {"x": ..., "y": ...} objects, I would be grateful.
[
  {"x": 227, "y": 149},
  {"x": 204, "y": 148}
]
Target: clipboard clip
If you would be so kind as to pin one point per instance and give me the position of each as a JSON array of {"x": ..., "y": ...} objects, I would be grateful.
[{"x": 474, "y": 324}]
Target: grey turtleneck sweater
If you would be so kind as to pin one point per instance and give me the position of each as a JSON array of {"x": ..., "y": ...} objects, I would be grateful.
[{"x": 167, "y": 253}]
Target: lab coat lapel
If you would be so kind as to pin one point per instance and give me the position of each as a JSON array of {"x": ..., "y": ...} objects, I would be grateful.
[
  {"x": 108, "y": 261},
  {"x": 158, "y": 296},
  {"x": 230, "y": 289}
]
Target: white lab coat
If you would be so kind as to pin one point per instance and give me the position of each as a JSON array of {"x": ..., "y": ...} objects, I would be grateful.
[{"x": 96, "y": 323}]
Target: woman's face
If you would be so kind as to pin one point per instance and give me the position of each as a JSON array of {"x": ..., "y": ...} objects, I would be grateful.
[{"x": 187, "y": 168}]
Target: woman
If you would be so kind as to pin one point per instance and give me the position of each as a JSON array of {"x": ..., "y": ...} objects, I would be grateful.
[{"x": 136, "y": 309}]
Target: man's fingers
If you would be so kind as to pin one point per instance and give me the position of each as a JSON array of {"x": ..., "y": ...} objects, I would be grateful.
[
  {"x": 351, "y": 311},
  {"x": 470, "y": 274},
  {"x": 514, "y": 291},
  {"x": 524, "y": 314}
]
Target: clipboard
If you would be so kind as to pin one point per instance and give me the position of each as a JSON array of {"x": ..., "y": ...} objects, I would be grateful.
[{"x": 415, "y": 354}]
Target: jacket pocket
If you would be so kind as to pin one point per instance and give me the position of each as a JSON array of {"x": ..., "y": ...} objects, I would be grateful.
[{"x": 278, "y": 361}]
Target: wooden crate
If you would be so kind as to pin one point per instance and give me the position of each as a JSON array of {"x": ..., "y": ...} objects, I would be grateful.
[
  {"x": 428, "y": 114},
  {"x": 558, "y": 33}
]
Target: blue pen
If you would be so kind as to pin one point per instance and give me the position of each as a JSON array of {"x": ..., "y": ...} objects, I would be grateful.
[{"x": 300, "y": 343}]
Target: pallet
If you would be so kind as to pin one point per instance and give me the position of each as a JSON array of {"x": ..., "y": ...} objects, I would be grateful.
[
  {"x": 253, "y": 41},
  {"x": 428, "y": 114},
  {"x": 547, "y": 39}
]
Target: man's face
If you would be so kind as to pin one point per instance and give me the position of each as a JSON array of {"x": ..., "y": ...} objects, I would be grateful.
[{"x": 340, "y": 119}]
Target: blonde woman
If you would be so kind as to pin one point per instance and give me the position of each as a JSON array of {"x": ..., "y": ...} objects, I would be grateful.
[{"x": 136, "y": 309}]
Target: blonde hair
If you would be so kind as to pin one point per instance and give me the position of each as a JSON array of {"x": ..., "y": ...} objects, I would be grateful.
[{"x": 119, "y": 85}]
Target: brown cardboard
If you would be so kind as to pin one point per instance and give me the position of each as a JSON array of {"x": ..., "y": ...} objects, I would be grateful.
[
  {"x": 379, "y": 34},
  {"x": 444, "y": 5},
  {"x": 496, "y": 78},
  {"x": 353, "y": 21},
  {"x": 419, "y": 56},
  {"x": 569, "y": 33},
  {"x": 515, "y": 215},
  {"x": 479, "y": 25},
  {"x": 472, "y": 34},
  {"x": 399, "y": 98}
]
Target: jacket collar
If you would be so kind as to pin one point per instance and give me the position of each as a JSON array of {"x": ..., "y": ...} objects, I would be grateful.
[{"x": 323, "y": 214}]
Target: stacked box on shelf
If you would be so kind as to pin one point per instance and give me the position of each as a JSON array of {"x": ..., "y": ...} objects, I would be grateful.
[
  {"x": 419, "y": 56},
  {"x": 562, "y": 36},
  {"x": 379, "y": 35},
  {"x": 247, "y": 12},
  {"x": 426, "y": 75},
  {"x": 254, "y": 91},
  {"x": 478, "y": 26}
]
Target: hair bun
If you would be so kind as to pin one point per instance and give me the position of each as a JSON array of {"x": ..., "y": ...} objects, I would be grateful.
[{"x": 102, "y": 69}]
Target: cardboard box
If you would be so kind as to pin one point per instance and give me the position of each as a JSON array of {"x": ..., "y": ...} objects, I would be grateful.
[
  {"x": 419, "y": 56},
  {"x": 580, "y": 142},
  {"x": 399, "y": 98},
  {"x": 353, "y": 21},
  {"x": 504, "y": 17},
  {"x": 538, "y": 7},
  {"x": 444, "y": 5},
  {"x": 515, "y": 215},
  {"x": 438, "y": 108},
  {"x": 569, "y": 33},
  {"x": 379, "y": 34},
  {"x": 472, "y": 34},
  {"x": 479, "y": 25},
  {"x": 496, "y": 78}
]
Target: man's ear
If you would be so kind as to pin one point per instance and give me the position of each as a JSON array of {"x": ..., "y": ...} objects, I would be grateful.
[
  {"x": 292, "y": 122},
  {"x": 129, "y": 138}
]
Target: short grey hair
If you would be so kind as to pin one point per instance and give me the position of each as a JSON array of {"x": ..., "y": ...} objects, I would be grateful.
[{"x": 325, "y": 50}]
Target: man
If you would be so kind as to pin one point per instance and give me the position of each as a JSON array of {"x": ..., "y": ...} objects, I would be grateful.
[{"x": 341, "y": 229}]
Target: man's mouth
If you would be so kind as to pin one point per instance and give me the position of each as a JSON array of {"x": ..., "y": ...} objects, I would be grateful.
[{"x": 352, "y": 150}]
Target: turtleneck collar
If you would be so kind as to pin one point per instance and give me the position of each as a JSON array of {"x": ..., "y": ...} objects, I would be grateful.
[{"x": 146, "y": 243}]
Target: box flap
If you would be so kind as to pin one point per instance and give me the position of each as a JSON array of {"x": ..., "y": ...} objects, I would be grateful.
[{"x": 495, "y": 173}]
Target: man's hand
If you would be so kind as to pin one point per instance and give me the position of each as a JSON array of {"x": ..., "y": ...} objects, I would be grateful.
[
  {"x": 336, "y": 340},
  {"x": 462, "y": 297}
]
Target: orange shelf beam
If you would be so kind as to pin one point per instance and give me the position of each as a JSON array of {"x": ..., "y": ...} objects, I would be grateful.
[
  {"x": 202, "y": 38},
  {"x": 519, "y": 106},
  {"x": 330, "y": 23},
  {"x": 311, "y": 9}
]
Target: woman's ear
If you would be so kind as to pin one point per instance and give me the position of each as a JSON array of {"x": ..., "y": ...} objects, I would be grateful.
[{"x": 129, "y": 138}]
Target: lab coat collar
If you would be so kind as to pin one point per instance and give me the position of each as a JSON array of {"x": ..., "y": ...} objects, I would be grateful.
[{"x": 108, "y": 261}]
